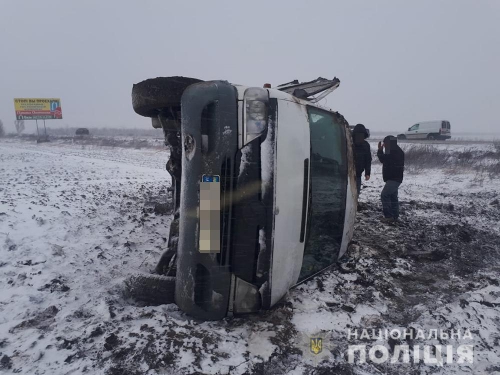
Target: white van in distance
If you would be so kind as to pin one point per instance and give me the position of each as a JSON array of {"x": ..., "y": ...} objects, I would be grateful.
[{"x": 430, "y": 130}]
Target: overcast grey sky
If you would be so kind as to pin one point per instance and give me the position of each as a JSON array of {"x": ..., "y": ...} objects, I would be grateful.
[{"x": 399, "y": 62}]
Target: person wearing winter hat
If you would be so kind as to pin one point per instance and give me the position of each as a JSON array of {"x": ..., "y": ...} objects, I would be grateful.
[
  {"x": 393, "y": 165},
  {"x": 362, "y": 154}
]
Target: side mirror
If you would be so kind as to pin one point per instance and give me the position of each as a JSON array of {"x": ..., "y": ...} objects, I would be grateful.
[{"x": 409, "y": 129}]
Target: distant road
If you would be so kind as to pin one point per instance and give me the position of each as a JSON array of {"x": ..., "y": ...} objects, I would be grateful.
[
  {"x": 456, "y": 137},
  {"x": 449, "y": 141},
  {"x": 457, "y": 141}
]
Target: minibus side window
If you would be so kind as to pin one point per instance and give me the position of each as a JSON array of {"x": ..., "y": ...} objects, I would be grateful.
[{"x": 328, "y": 184}]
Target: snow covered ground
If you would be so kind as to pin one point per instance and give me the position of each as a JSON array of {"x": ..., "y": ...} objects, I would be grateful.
[{"x": 77, "y": 219}]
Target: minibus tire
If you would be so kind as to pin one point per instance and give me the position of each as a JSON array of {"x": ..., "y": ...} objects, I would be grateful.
[
  {"x": 151, "y": 289},
  {"x": 401, "y": 136},
  {"x": 431, "y": 137},
  {"x": 152, "y": 95}
]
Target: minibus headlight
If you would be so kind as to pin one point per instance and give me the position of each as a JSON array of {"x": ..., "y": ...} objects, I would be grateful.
[{"x": 256, "y": 102}]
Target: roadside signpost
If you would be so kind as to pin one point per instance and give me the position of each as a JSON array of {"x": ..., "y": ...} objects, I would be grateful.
[{"x": 38, "y": 109}]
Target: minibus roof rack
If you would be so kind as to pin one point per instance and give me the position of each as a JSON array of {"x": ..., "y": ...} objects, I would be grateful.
[{"x": 307, "y": 90}]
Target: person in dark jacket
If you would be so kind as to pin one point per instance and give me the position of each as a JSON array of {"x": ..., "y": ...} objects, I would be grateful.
[
  {"x": 362, "y": 154},
  {"x": 393, "y": 164}
]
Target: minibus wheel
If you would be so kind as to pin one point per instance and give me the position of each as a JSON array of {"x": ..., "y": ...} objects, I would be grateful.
[
  {"x": 149, "y": 97},
  {"x": 151, "y": 289}
]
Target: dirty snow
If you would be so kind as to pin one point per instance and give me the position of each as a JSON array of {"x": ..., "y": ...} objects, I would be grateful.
[
  {"x": 246, "y": 152},
  {"x": 266, "y": 154},
  {"x": 76, "y": 220}
]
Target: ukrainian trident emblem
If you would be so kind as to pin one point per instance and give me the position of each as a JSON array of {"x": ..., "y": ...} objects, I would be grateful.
[{"x": 316, "y": 345}]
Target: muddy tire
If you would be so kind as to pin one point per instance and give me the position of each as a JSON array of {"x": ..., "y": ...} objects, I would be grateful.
[
  {"x": 431, "y": 137},
  {"x": 152, "y": 95},
  {"x": 151, "y": 289},
  {"x": 401, "y": 136}
]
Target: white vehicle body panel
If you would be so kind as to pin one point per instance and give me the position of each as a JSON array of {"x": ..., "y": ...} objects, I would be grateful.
[
  {"x": 351, "y": 199},
  {"x": 292, "y": 148}
]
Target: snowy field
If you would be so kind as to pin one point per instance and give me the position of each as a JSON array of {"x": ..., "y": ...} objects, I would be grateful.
[{"x": 76, "y": 219}]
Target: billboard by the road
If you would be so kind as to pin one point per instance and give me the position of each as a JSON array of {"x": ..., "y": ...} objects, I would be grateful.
[{"x": 38, "y": 108}]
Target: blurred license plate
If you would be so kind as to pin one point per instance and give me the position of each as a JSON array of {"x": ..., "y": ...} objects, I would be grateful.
[{"x": 210, "y": 214}]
